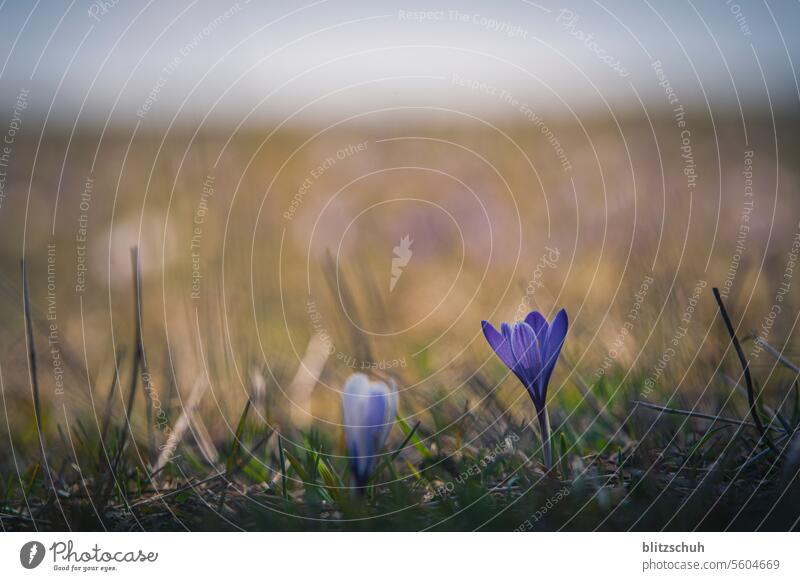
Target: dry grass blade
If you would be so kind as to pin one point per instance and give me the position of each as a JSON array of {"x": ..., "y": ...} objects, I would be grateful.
[
  {"x": 305, "y": 380},
  {"x": 137, "y": 357},
  {"x": 203, "y": 438},
  {"x": 175, "y": 437},
  {"x": 342, "y": 290},
  {"x": 689, "y": 413},
  {"x": 107, "y": 408},
  {"x": 764, "y": 407},
  {"x": 777, "y": 355}
]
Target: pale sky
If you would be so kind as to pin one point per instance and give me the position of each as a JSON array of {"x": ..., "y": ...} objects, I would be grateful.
[{"x": 133, "y": 60}]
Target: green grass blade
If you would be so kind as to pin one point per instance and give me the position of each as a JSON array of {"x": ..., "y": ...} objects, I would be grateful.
[
  {"x": 415, "y": 439},
  {"x": 237, "y": 442},
  {"x": 282, "y": 458}
]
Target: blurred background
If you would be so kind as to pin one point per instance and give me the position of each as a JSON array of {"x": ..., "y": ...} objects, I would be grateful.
[{"x": 323, "y": 187}]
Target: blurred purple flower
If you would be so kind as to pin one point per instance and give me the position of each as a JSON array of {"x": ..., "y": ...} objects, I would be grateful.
[
  {"x": 530, "y": 349},
  {"x": 369, "y": 409}
]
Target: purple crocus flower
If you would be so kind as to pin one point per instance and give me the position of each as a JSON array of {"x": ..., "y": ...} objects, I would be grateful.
[
  {"x": 369, "y": 409},
  {"x": 530, "y": 349}
]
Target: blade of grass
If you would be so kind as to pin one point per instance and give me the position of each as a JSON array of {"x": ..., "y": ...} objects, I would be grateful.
[
  {"x": 706, "y": 437},
  {"x": 119, "y": 355},
  {"x": 333, "y": 483},
  {"x": 34, "y": 376},
  {"x": 230, "y": 463},
  {"x": 304, "y": 476},
  {"x": 282, "y": 459},
  {"x": 563, "y": 459},
  {"x": 693, "y": 414},
  {"x": 777, "y": 354},
  {"x": 137, "y": 361},
  {"x": 762, "y": 407},
  {"x": 418, "y": 444},
  {"x": 779, "y": 440},
  {"x": 32, "y": 480},
  {"x": 163, "y": 495},
  {"x": 198, "y": 390},
  {"x": 414, "y": 471},
  {"x": 402, "y": 446},
  {"x": 240, "y": 465}
]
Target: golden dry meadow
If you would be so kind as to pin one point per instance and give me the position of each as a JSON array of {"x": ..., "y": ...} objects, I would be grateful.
[{"x": 265, "y": 279}]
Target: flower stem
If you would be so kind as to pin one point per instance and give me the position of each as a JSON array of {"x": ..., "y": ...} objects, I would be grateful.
[{"x": 547, "y": 445}]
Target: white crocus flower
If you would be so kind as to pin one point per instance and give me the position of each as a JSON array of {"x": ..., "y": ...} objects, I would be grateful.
[{"x": 369, "y": 409}]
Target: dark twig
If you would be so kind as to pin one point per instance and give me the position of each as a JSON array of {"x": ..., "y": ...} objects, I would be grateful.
[
  {"x": 107, "y": 409},
  {"x": 748, "y": 379},
  {"x": 137, "y": 357}
]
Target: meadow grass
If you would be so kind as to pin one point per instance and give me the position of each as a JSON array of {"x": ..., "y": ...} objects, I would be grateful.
[
  {"x": 620, "y": 463},
  {"x": 223, "y": 412}
]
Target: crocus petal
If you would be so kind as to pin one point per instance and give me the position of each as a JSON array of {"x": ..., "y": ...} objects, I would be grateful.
[
  {"x": 369, "y": 410},
  {"x": 373, "y": 424},
  {"x": 499, "y": 344},
  {"x": 539, "y": 325},
  {"x": 534, "y": 349},
  {"x": 355, "y": 398},
  {"x": 390, "y": 412},
  {"x": 374, "y": 429},
  {"x": 527, "y": 352},
  {"x": 355, "y": 389},
  {"x": 515, "y": 366},
  {"x": 553, "y": 343}
]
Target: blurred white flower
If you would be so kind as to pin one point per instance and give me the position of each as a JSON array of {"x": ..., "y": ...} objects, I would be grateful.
[{"x": 369, "y": 409}]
